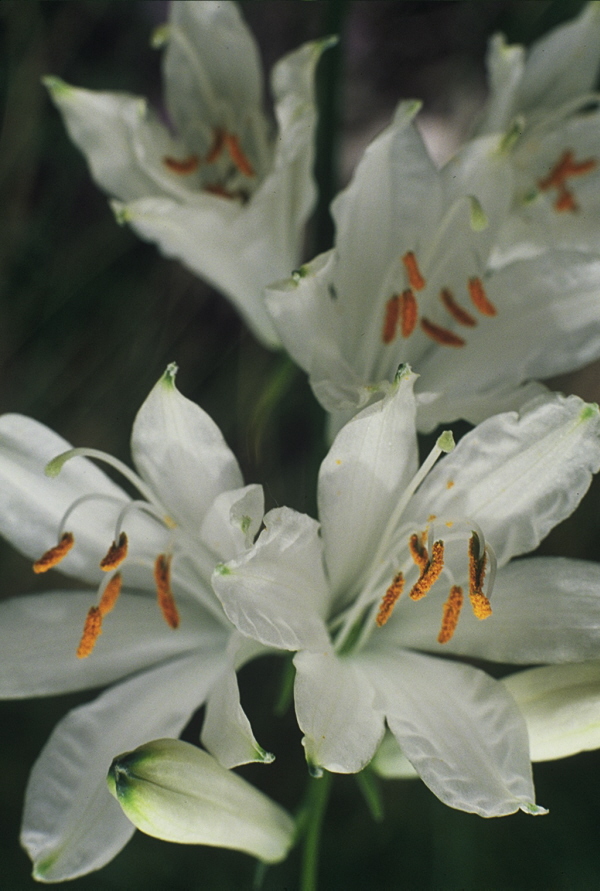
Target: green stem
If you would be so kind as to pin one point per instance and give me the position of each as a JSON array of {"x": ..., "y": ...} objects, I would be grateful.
[{"x": 317, "y": 804}]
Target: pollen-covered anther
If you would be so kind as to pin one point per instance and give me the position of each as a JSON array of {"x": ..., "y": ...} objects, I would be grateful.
[
  {"x": 477, "y": 567},
  {"x": 482, "y": 608},
  {"x": 441, "y": 335},
  {"x": 450, "y": 613},
  {"x": 183, "y": 168},
  {"x": 110, "y": 595},
  {"x": 415, "y": 279},
  {"x": 166, "y": 600},
  {"x": 390, "y": 320},
  {"x": 457, "y": 312},
  {"x": 238, "y": 156},
  {"x": 408, "y": 312},
  {"x": 389, "y": 599},
  {"x": 92, "y": 630},
  {"x": 418, "y": 551},
  {"x": 431, "y": 572},
  {"x": 480, "y": 299},
  {"x": 53, "y": 556},
  {"x": 116, "y": 554}
]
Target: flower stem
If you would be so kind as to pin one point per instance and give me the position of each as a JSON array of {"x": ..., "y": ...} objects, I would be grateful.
[{"x": 318, "y": 796}]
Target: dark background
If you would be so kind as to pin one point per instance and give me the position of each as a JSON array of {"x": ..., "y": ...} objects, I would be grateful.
[{"x": 90, "y": 317}]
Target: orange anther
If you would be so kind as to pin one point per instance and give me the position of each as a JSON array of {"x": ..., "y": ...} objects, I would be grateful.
[
  {"x": 430, "y": 574},
  {"x": 237, "y": 155},
  {"x": 115, "y": 555},
  {"x": 408, "y": 312},
  {"x": 183, "y": 168},
  {"x": 216, "y": 147},
  {"x": 53, "y": 556},
  {"x": 441, "y": 335},
  {"x": 477, "y": 567},
  {"x": 566, "y": 167},
  {"x": 482, "y": 608},
  {"x": 480, "y": 299},
  {"x": 456, "y": 311},
  {"x": 418, "y": 551},
  {"x": 166, "y": 600},
  {"x": 416, "y": 280},
  {"x": 565, "y": 201},
  {"x": 389, "y": 599},
  {"x": 450, "y": 613},
  {"x": 92, "y": 630},
  {"x": 110, "y": 595},
  {"x": 392, "y": 311}
]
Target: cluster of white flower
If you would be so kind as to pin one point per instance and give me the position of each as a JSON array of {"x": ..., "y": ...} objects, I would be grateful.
[{"x": 483, "y": 277}]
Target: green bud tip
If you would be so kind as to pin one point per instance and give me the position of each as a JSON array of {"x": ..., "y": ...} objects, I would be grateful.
[
  {"x": 222, "y": 569},
  {"x": 404, "y": 372},
  {"x": 121, "y": 212},
  {"x": 265, "y": 757},
  {"x": 512, "y": 135},
  {"x": 479, "y": 221},
  {"x": 56, "y": 86},
  {"x": 168, "y": 378},
  {"x": 314, "y": 770},
  {"x": 534, "y": 809},
  {"x": 589, "y": 411},
  {"x": 160, "y": 36},
  {"x": 297, "y": 274},
  {"x": 446, "y": 441},
  {"x": 54, "y": 467}
]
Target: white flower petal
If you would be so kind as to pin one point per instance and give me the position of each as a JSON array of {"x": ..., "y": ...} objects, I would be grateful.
[
  {"x": 368, "y": 467},
  {"x": 39, "y": 635},
  {"x": 71, "y": 825},
  {"x": 390, "y": 762},
  {"x": 277, "y": 593},
  {"x": 179, "y": 450},
  {"x": 505, "y": 65},
  {"x": 561, "y": 707},
  {"x": 233, "y": 520},
  {"x": 517, "y": 477},
  {"x": 336, "y": 711},
  {"x": 460, "y": 730},
  {"x": 177, "y": 792}
]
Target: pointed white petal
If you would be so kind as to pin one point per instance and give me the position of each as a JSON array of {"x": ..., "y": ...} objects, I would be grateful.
[
  {"x": 505, "y": 66},
  {"x": 460, "y": 730},
  {"x": 71, "y": 825},
  {"x": 40, "y": 633},
  {"x": 517, "y": 477},
  {"x": 232, "y": 521},
  {"x": 368, "y": 467},
  {"x": 181, "y": 453},
  {"x": 175, "y": 791},
  {"x": 336, "y": 711},
  {"x": 277, "y": 593},
  {"x": 545, "y": 609},
  {"x": 561, "y": 707}
]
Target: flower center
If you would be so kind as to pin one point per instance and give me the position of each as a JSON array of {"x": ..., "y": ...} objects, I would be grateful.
[
  {"x": 565, "y": 168},
  {"x": 401, "y": 312},
  {"x": 230, "y": 166}
]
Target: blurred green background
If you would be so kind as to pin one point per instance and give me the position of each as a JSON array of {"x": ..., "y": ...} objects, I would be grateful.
[{"x": 90, "y": 317}]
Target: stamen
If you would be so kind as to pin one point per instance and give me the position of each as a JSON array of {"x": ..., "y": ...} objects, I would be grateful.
[
  {"x": 116, "y": 554},
  {"x": 237, "y": 155},
  {"x": 408, "y": 312},
  {"x": 566, "y": 167},
  {"x": 441, "y": 335},
  {"x": 110, "y": 595},
  {"x": 456, "y": 311},
  {"x": 480, "y": 299},
  {"x": 416, "y": 280},
  {"x": 430, "y": 574},
  {"x": 54, "y": 555},
  {"x": 91, "y": 632},
  {"x": 566, "y": 201},
  {"x": 166, "y": 600},
  {"x": 418, "y": 551},
  {"x": 216, "y": 147},
  {"x": 450, "y": 613},
  {"x": 183, "y": 168},
  {"x": 389, "y": 600},
  {"x": 477, "y": 567},
  {"x": 392, "y": 311}
]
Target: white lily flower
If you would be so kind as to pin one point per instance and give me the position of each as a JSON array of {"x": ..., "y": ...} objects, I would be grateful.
[
  {"x": 192, "y": 511},
  {"x": 220, "y": 193},
  {"x": 331, "y": 591},
  {"x": 409, "y": 281},
  {"x": 545, "y": 98},
  {"x": 174, "y": 791}
]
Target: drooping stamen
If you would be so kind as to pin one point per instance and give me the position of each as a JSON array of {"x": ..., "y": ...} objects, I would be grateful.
[
  {"x": 110, "y": 595},
  {"x": 408, "y": 312},
  {"x": 416, "y": 280},
  {"x": 441, "y": 335},
  {"x": 166, "y": 600},
  {"x": 238, "y": 156},
  {"x": 217, "y": 146},
  {"x": 456, "y": 311},
  {"x": 430, "y": 574},
  {"x": 183, "y": 168},
  {"x": 54, "y": 555},
  {"x": 480, "y": 298},
  {"x": 450, "y": 613},
  {"x": 566, "y": 167},
  {"x": 389, "y": 599},
  {"x": 477, "y": 567},
  {"x": 91, "y": 632},
  {"x": 116, "y": 554},
  {"x": 390, "y": 321}
]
